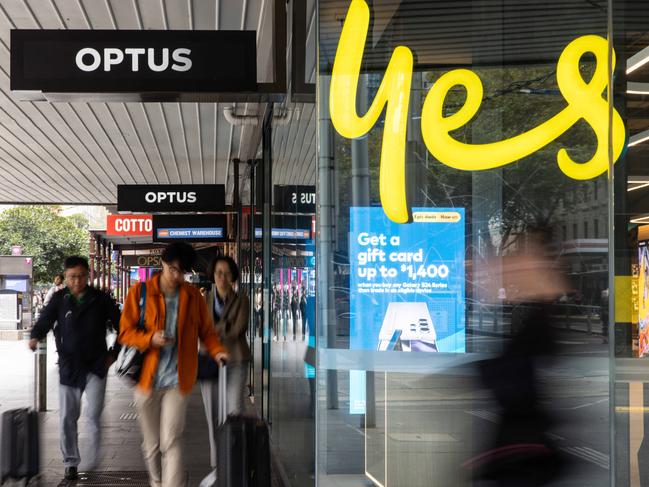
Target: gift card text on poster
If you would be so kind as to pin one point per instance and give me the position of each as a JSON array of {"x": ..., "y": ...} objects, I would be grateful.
[{"x": 406, "y": 285}]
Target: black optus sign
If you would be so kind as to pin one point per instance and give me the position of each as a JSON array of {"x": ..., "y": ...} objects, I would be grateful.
[
  {"x": 294, "y": 199},
  {"x": 190, "y": 228},
  {"x": 156, "y": 198},
  {"x": 142, "y": 261},
  {"x": 127, "y": 61}
]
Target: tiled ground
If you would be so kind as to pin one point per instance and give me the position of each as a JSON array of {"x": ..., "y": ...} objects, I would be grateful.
[
  {"x": 121, "y": 438},
  {"x": 121, "y": 433}
]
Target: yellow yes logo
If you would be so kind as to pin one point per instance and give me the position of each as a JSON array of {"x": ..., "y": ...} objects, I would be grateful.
[{"x": 584, "y": 100}]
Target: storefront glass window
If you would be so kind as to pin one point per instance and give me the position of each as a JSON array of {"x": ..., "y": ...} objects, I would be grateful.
[{"x": 463, "y": 275}]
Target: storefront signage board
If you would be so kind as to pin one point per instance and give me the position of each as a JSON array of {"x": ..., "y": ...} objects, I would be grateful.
[
  {"x": 640, "y": 282},
  {"x": 289, "y": 227},
  {"x": 407, "y": 285},
  {"x": 285, "y": 233},
  {"x": 294, "y": 198},
  {"x": 11, "y": 265},
  {"x": 9, "y": 308},
  {"x": 133, "y": 61},
  {"x": 154, "y": 198},
  {"x": 585, "y": 100},
  {"x": 190, "y": 228},
  {"x": 129, "y": 225},
  {"x": 142, "y": 261}
]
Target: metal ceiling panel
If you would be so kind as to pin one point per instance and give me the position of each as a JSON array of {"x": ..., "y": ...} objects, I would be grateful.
[
  {"x": 203, "y": 15},
  {"x": 77, "y": 152},
  {"x": 20, "y": 14},
  {"x": 140, "y": 127},
  {"x": 153, "y": 17},
  {"x": 126, "y": 15},
  {"x": 231, "y": 14},
  {"x": 178, "y": 15},
  {"x": 72, "y": 15},
  {"x": 294, "y": 147},
  {"x": 99, "y": 14},
  {"x": 160, "y": 127},
  {"x": 466, "y": 32}
]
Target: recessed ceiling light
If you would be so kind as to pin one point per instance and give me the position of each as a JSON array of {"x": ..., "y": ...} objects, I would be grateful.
[
  {"x": 638, "y": 60},
  {"x": 638, "y": 138}
]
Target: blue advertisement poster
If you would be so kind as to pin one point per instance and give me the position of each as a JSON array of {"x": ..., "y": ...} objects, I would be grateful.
[{"x": 406, "y": 285}]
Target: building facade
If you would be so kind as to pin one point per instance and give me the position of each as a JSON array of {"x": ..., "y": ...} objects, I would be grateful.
[{"x": 479, "y": 161}]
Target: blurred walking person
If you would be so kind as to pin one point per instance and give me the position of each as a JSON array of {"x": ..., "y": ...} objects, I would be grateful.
[
  {"x": 58, "y": 285},
  {"x": 285, "y": 301},
  {"x": 295, "y": 304},
  {"x": 175, "y": 318},
  {"x": 259, "y": 316},
  {"x": 230, "y": 311},
  {"x": 522, "y": 453},
  {"x": 303, "y": 310},
  {"x": 79, "y": 316},
  {"x": 276, "y": 306}
]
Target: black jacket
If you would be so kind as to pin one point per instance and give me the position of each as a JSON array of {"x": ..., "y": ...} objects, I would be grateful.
[{"x": 80, "y": 333}]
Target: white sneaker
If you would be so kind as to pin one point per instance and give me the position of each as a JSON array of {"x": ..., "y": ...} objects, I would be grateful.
[{"x": 209, "y": 480}]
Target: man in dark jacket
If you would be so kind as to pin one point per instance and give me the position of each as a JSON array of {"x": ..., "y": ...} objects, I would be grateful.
[{"x": 79, "y": 316}]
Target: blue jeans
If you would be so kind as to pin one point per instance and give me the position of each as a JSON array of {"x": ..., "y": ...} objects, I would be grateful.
[{"x": 70, "y": 410}]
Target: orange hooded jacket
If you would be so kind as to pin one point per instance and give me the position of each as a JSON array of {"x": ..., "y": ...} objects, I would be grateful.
[{"x": 194, "y": 322}]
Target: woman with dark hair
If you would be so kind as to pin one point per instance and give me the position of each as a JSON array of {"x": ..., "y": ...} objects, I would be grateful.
[{"x": 230, "y": 311}]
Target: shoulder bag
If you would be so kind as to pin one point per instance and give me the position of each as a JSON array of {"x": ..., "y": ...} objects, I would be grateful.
[{"x": 129, "y": 360}]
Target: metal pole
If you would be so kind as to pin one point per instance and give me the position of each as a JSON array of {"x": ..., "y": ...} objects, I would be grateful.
[
  {"x": 121, "y": 277},
  {"x": 109, "y": 256},
  {"x": 40, "y": 373},
  {"x": 267, "y": 251},
  {"x": 361, "y": 197},
  {"x": 104, "y": 259},
  {"x": 325, "y": 321},
  {"x": 96, "y": 281},
  {"x": 326, "y": 381},
  {"x": 118, "y": 271},
  {"x": 251, "y": 268},
  {"x": 236, "y": 201},
  {"x": 92, "y": 255}
]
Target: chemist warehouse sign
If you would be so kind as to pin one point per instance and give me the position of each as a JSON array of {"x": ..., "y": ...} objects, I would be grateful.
[{"x": 127, "y": 61}]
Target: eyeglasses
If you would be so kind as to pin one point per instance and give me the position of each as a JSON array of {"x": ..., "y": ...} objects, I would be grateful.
[
  {"x": 174, "y": 269},
  {"x": 76, "y": 277}
]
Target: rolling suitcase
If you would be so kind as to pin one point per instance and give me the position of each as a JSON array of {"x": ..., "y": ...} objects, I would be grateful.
[
  {"x": 19, "y": 445},
  {"x": 242, "y": 446}
]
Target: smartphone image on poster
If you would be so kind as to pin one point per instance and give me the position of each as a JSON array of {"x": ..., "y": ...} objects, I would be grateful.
[
  {"x": 395, "y": 341},
  {"x": 412, "y": 321}
]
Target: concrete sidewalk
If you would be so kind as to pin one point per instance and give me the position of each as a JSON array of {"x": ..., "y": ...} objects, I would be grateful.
[{"x": 120, "y": 429}]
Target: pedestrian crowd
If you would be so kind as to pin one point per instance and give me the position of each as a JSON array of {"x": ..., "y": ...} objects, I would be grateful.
[{"x": 170, "y": 334}]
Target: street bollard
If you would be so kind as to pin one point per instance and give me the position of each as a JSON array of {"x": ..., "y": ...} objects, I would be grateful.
[{"x": 40, "y": 369}]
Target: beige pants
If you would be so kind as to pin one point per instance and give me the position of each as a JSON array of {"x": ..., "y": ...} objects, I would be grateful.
[{"x": 161, "y": 415}]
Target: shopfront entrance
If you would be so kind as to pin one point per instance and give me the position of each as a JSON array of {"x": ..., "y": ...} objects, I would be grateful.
[{"x": 481, "y": 210}]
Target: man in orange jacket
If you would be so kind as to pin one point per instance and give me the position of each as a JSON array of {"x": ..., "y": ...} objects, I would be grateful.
[{"x": 175, "y": 317}]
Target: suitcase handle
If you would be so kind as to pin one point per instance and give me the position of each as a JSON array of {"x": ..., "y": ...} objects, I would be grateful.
[{"x": 222, "y": 412}]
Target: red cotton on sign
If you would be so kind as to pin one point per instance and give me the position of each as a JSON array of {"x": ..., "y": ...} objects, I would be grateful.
[{"x": 129, "y": 225}]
